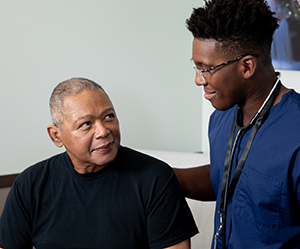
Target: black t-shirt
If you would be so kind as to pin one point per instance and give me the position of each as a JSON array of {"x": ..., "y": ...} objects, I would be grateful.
[{"x": 134, "y": 202}]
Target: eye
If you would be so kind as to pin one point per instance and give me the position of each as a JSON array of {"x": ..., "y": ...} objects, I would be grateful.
[
  {"x": 110, "y": 117},
  {"x": 198, "y": 65},
  {"x": 201, "y": 67},
  {"x": 85, "y": 124}
]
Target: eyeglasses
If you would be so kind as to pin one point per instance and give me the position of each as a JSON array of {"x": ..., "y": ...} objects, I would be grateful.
[{"x": 200, "y": 72}]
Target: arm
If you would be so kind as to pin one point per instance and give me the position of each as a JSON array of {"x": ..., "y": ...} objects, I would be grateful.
[
  {"x": 14, "y": 222},
  {"x": 170, "y": 223},
  {"x": 183, "y": 245},
  {"x": 195, "y": 183}
]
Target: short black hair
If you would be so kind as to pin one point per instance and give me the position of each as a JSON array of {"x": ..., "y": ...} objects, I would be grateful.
[{"x": 240, "y": 26}]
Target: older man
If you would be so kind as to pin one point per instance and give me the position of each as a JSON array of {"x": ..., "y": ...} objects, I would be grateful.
[{"x": 97, "y": 194}]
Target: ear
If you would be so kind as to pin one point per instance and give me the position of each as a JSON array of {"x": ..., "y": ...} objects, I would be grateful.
[
  {"x": 54, "y": 134},
  {"x": 249, "y": 66}
]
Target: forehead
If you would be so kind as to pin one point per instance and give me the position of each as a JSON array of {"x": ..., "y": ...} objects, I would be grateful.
[
  {"x": 205, "y": 50},
  {"x": 86, "y": 102}
]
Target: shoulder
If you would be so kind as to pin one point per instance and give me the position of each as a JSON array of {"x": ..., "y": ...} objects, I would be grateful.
[
  {"x": 132, "y": 155},
  {"x": 43, "y": 169},
  {"x": 145, "y": 174},
  {"x": 30, "y": 183},
  {"x": 295, "y": 97},
  {"x": 288, "y": 109},
  {"x": 142, "y": 163}
]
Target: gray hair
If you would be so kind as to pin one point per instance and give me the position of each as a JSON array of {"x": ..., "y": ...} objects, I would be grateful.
[{"x": 70, "y": 87}]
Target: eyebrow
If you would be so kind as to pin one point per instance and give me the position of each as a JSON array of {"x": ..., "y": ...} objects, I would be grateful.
[
  {"x": 202, "y": 64},
  {"x": 91, "y": 116}
]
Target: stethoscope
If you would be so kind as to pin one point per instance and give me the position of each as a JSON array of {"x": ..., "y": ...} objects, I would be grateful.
[{"x": 228, "y": 191}]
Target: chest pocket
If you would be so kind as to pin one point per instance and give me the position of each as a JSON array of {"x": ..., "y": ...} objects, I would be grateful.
[{"x": 258, "y": 199}]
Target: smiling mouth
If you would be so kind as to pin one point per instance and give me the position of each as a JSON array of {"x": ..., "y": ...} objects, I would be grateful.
[
  {"x": 209, "y": 95},
  {"x": 103, "y": 148}
]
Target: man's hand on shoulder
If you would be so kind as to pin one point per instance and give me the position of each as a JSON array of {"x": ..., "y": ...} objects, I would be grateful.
[{"x": 182, "y": 245}]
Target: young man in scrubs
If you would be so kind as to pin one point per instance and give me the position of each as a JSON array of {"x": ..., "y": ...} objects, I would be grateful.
[{"x": 254, "y": 133}]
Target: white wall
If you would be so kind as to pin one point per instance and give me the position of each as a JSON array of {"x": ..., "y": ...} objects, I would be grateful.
[
  {"x": 137, "y": 50},
  {"x": 290, "y": 79}
]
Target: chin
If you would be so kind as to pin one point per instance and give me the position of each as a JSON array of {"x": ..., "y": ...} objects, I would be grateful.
[{"x": 105, "y": 159}]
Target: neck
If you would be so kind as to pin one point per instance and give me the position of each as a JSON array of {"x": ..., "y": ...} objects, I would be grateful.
[
  {"x": 259, "y": 98},
  {"x": 88, "y": 169}
]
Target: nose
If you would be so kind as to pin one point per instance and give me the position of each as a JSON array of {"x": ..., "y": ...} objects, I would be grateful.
[
  {"x": 199, "y": 80},
  {"x": 100, "y": 130}
]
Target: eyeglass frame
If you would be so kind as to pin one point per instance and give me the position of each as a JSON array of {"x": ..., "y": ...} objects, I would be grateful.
[{"x": 200, "y": 72}]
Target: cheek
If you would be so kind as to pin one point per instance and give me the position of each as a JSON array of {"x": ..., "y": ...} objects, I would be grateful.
[
  {"x": 115, "y": 130},
  {"x": 224, "y": 100},
  {"x": 83, "y": 143},
  {"x": 225, "y": 90}
]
